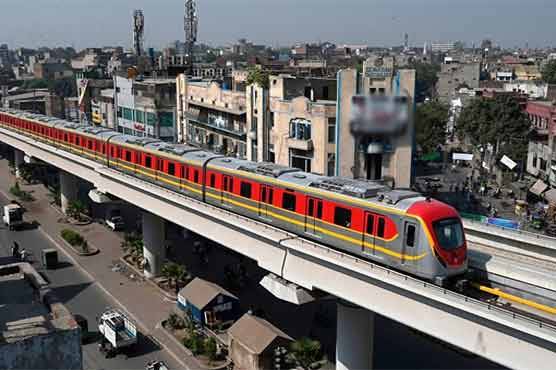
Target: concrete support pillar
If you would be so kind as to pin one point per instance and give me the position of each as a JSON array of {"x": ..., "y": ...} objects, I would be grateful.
[
  {"x": 354, "y": 338},
  {"x": 68, "y": 189},
  {"x": 19, "y": 160},
  {"x": 154, "y": 235}
]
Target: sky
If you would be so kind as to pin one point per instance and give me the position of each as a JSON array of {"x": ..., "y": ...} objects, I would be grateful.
[{"x": 88, "y": 23}]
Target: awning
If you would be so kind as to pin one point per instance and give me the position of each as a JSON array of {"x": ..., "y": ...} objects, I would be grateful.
[
  {"x": 550, "y": 196},
  {"x": 538, "y": 187}
]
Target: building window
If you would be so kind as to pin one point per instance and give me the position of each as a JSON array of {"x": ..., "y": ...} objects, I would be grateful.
[
  {"x": 298, "y": 160},
  {"x": 342, "y": 217},
  {"x": 300, "y": 129},
  {"x": 372, "y": 90},
  {"x": 331, "y": 165},
  {"x": 332, "y": 130},
  {"x": 139, "y": 116},
  {"x": 288, "y": 201},
  {"x": 245, "y": 189}
]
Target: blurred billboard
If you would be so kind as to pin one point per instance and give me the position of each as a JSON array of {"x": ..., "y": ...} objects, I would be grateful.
[{"x": 379, "y": 115}]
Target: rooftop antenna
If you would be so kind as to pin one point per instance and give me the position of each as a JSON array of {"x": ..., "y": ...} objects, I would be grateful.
[
  {"x": 191, "y": 22},
  {"x": 138, "y": 32}
]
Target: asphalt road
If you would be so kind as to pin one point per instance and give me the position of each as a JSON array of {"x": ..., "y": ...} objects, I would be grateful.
[{"x": 82, "y": 296}]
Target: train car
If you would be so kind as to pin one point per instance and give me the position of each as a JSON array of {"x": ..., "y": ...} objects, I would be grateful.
[{"x": 398, "y": 228}]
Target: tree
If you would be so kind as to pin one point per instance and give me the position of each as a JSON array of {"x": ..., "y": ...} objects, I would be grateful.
[
  {"x": 259, "y": 77},
  {"x": 306, "y": 351},
  {"x": 211, "y": 349},
  {"x": 76, "y": 209},
  {"x": 549, "y": 72},
  {"x": 174, "y": 272},
  {"x": 426, "y": 77},
  {"x": 430, "y": 125},
  {"x": 499, "y": 122}
]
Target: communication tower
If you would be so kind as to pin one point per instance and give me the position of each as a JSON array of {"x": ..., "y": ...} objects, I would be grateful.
[
  {"x": 138, "y": 32},
  {"x": 191, "y": 22}
]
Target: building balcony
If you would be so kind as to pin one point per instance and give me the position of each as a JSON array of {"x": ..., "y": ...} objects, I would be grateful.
[
  {"x": 300, "y": 144},
  {"x": 225, "y": 131}
]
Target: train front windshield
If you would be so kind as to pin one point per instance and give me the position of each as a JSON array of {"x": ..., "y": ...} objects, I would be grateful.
[{"x": 449, "y": 233}]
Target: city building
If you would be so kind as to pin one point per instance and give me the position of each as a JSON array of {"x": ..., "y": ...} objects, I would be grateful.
[
  {"x": 253, "y": 341},
  {"x": 442, "y": 47},
  {"x": 212, "y": 116},
  {"x": 27, "y": 100},
  {"x": 36, "y": 330},
  {"x": 386, "y": 158},
  {"x": 208, "y": 303},
  {"x": 146, "y": 107},
  {"x": 302, "y": 124},
  {"x": 541, "y": 161},
  {"x": 48, "y": 70},
  {"x": 89, "y": 89},
  {"x": 527, "y": 72},
  {"x": 102, "y": 109},
  {"x": 456, "y": 75}
]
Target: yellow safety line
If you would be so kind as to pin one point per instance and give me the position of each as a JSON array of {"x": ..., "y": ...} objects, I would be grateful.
[{"x": 511, "y": 297}]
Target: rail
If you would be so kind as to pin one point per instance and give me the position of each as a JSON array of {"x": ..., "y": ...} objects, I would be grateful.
[{"x": 496, "y": 228}]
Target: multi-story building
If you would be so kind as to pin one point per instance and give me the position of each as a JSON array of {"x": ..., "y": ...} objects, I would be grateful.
[
  {"x": 382, "y": 157},
  {"x": 52, "y": 70},
  {"x": 102, "y": 109},
  {"x": 442, "y": 47},
  {"x": 456, "y": 75},
  {"x": 146, "y": 107},
  {"x": 302, "y": 124},
  {"x": 36, "y": 330},
  {"x": 212, "y": 116},
  {"x": 89, "y": 89},
  {"x": 541, "y": 158}
]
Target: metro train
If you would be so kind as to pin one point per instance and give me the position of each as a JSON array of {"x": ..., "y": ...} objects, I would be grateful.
[{"x": 398, "y": 228}]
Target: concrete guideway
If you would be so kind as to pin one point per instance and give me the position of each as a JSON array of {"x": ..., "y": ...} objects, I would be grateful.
[{"x": 498, "y": 335}]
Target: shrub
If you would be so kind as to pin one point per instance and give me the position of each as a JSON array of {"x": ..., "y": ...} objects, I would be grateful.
[
  {"x": 73, "y": 238},
  {"x": 175, "y": 321},
  {"x": 195, "y": 343},
  {"x": 210, "y": 349}
]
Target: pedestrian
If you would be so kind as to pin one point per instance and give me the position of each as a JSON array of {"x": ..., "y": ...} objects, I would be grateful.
[
  {"x": 23, "y": 255},
  {"x": 15, "y": 250}
]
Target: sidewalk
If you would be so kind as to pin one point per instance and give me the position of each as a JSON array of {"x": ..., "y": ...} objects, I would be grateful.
[{"x": 141, "y": 300}]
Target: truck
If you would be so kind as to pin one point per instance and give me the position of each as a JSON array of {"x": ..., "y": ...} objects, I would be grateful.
[
  {"x": 13, "y": 216},
  {"x": 117, "y": 330}
]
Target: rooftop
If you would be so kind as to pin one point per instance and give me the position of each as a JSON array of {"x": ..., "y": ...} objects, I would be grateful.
[
  {"x": 200, "y": 292},
  {"x": 27, "y": 308},
  {"x": 255, "y": 333}
]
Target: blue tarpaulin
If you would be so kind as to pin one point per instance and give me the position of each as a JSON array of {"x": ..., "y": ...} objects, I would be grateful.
[{"x": 502, "y": 222}]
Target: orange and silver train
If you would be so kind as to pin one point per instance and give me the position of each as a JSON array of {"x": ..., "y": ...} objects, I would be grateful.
[{"x": 397, "y": 228}]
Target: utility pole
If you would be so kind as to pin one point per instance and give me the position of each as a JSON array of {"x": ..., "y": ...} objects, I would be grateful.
[{"x": 191, "y": 22}]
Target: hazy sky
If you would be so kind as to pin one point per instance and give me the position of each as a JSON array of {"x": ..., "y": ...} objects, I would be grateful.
[{"x": 84, "y": 23}]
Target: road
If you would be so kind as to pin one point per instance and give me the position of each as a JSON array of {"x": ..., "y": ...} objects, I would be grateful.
[{"x": 82, "y": 296}]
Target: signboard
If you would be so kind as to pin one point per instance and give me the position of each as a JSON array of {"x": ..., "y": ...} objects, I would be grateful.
[
  {"x": 508, "y": 162},
  {"x": 462, "y": 157},
  {"x": 138, "y": 127},
  {"x": 379, "y": 72},
  {"x": 379, "y": 115}
]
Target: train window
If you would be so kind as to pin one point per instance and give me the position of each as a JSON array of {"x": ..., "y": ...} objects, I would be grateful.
[
  {"x": 171, "y": 169},
  {"x": 342, "y": 217},
  {"x": 128, "y": 156},
  {"x": 66, "y": 138},
  {"x": 212, "y": 181},
  {"x": 370, "y": 224},
  {"x": 288, "y": 201},
  {"x": 89, "y": 144},
  {"x": 196, "y": 176},
  {"x": 410, "y": 235},
  {"x": 245, "y": 189},
  {"x": 148, "y": 161},
  {"x": 380, "y": 228}
]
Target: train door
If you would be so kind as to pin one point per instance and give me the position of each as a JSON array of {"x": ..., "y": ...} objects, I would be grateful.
[
  {"x": 313, "y": 213},
  {"x": 266, "y": 197},
  {"x": 368, "y": 244},
  {"x": 227, "y": 187},
  {"x": 409, "y": 242}
]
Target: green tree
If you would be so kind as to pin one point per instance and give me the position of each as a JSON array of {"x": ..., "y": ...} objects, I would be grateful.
[
  {"x": 175, "y": 273},
  {"x": 211, "y": 349},
  {"x": 430, "y": 125},
  {"x": 259, "y": 77},
  {"x": 549, "y": 72},
  {"x": 306, "y": 351},
  {"x": 500, "y": 122},
  {"x": 426, "y": 77},
  {"x": 76, "y": 209}
]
